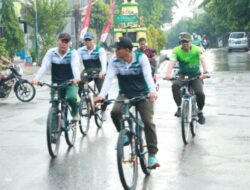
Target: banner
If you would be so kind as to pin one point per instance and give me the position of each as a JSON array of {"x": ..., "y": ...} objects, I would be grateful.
[
  {"x": 86, "y": 21},
  {"x": 108, "y": 25}
]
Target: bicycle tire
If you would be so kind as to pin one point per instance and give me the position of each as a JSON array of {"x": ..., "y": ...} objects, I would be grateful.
[
  {"x": 53, "y": 130},
  {"x": 131, "y": 160},
  {"x": 25, "y": 91},
  {"x": 143, "y": 151},
  {"x": 85, "y": 116},
  {"x": 69, "y": 128},
  {"x": 185, "y": 124},
  {"x": 98, "y": 117}
]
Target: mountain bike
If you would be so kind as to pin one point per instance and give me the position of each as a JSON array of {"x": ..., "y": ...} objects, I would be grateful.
[
  {"x": 189, "y": 110},
  {"x": 131, "y": 143},
  {"x": 59, "y": 120},
  {"x": 87, "y": 107}
]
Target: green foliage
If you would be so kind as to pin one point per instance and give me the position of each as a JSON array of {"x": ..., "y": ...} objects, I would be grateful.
[
  {"x": 99, "y": 16},
  {"x": 2, "y": 47},
  {"x": 229, "y": 15},
  {"x": 52, "y": 18},
  {"x": 12, "y": 30},
  {"x": 156, "y": 38}
]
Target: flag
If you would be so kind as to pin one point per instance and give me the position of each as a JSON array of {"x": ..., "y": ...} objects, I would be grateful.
[
  {"x": 108, "y": 25},
  {"x": 86, "y": 21}
]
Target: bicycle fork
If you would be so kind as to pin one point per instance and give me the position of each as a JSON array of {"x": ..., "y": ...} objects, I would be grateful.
[{"x": 189, "y": 100}]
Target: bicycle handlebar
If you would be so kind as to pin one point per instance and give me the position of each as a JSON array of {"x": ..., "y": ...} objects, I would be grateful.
[
  {"x": 55, "y": 85},
  {"x": 131, "y": 100},
  {"x": 92, "y": 75}
]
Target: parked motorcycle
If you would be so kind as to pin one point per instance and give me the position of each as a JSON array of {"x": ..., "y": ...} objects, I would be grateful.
[{"x": 23, "y": 89}]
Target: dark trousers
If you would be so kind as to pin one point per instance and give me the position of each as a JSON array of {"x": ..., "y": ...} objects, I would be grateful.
[
  {"x": 197, "y": 86},
  {"x": 146, "y": 110}
]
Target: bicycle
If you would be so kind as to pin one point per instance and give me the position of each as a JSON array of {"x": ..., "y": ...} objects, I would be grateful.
[
  {"x": 58, "y": 120},
  {"x": 131, "y": 143},
  {"x": 87, "y": 108},
  {"x": 189, "y": 110}
]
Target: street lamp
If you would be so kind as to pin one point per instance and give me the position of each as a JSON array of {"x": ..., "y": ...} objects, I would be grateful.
[{"x": 36, "y": 32}]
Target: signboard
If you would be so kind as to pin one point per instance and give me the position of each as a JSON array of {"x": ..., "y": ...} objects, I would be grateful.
[{"x": 125, "y": 18}]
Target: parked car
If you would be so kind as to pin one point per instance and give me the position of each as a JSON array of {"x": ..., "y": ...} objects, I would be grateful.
[{"x": 238, "y": 41}]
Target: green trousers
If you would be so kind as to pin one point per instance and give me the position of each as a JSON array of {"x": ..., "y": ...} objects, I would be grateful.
[{"x": 71, "y": 95}]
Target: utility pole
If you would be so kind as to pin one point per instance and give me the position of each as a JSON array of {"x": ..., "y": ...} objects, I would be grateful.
[{"x": 36, "y": 32}]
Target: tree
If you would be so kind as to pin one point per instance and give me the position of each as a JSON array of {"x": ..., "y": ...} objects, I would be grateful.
[
  {"x": 52, "y": 18},
  {"x": 156, "y": 38},
  {"x": 11, "y": 29},
  {"x": 99, "y": 16}
]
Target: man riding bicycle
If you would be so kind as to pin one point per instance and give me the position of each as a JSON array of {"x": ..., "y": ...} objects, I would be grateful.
[
  {"x": 189, "y": 58},
  {"x": 64, "y": 63},
  {"x": 149, "y": 52},
  {"x": 134, "y": 78},
  {"x": 94, "y": 59}
]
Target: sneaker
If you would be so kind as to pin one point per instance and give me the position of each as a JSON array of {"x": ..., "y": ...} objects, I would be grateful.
[
  {"x": 201, "y": 118},
  {"x": 104, "y": 116},
  {"x": 125, "y": 139},
  {"x": 53, "y": 138},
  {"x": 152, "y": 162},
  {"x": 178, "y": 112},
  {"x": 76, "y": 117}
]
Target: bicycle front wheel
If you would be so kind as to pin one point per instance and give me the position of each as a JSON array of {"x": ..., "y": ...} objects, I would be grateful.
[
  {"x": 98, "y": 117},
  {"x": 127, "y": 160},
  {"x": 53, "y": 131},
  {"x": 185, "y": 124},
  {"x": 85, "y": 116}
]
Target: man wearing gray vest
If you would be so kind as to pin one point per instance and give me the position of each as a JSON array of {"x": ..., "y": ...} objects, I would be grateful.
[
  {"x": 133, "y": 72},
  {"x": 94, "y": 59},
  {"x": 65, "y": 66}
]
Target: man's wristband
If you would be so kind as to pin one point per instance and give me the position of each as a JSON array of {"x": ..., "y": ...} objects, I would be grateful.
[{"x": 205, "y": 72}]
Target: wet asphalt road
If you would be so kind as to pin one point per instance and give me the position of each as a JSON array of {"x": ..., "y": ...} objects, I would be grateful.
[{"x": 218, "y": 158}]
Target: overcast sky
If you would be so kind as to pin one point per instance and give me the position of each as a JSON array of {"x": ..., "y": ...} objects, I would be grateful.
[{"x": 184, "y": 10}]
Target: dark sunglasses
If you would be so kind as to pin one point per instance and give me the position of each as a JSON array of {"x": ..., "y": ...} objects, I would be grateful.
[
  {"x": 87, "y": 40},
  {"x": 184, "y": 41}
]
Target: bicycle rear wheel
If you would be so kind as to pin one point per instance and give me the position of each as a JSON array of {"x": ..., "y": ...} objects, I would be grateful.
[
  {"x": 85, "y": 116},
  {"x": 185, "y": 124},
  {"x": 143, "y": 151},
  {"x": 70, "y": 128},
  {"x": 53, "y": 131},
  {"x": 127, "y": 160}
]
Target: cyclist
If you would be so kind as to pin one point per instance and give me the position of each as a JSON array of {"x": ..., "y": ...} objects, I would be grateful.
[
  {"x": 149, "y": 52},
  {"x": 94, "y": 58},
  {"x": 64, "y": 63},
  {"x": 189, "y": 58},
  {"x": 134, "y": 77}
]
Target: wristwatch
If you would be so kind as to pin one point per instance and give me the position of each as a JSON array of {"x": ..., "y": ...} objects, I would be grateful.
[{"x": 205, "y": 72}]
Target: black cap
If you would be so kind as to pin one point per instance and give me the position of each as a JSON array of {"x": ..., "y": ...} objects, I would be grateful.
[
  {"x": 64, "y": 36},
  {"x": 124, "y": 43}
]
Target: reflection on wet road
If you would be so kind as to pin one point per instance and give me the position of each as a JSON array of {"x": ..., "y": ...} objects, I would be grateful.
[{"x": 217, "y": 158}]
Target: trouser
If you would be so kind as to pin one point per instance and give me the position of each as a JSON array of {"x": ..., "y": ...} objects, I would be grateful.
[
  {"x": 197, "y": 86},
  {"x": 146, "y": 110},
  {"x": 71, "y": 94},
  {"x": 98, "y": 82}
]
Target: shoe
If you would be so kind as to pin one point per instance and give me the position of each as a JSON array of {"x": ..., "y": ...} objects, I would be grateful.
[
  {"x": 76, "y": 117},
  {"x": 201, "y": 118},
  {"x": 152, "y": 162},
  {"x": 53, "y": 138},
  {"x": 125, "y": 139},
  {"x": 178, "y": 112},
  {"x": 104, "y": 116}
]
